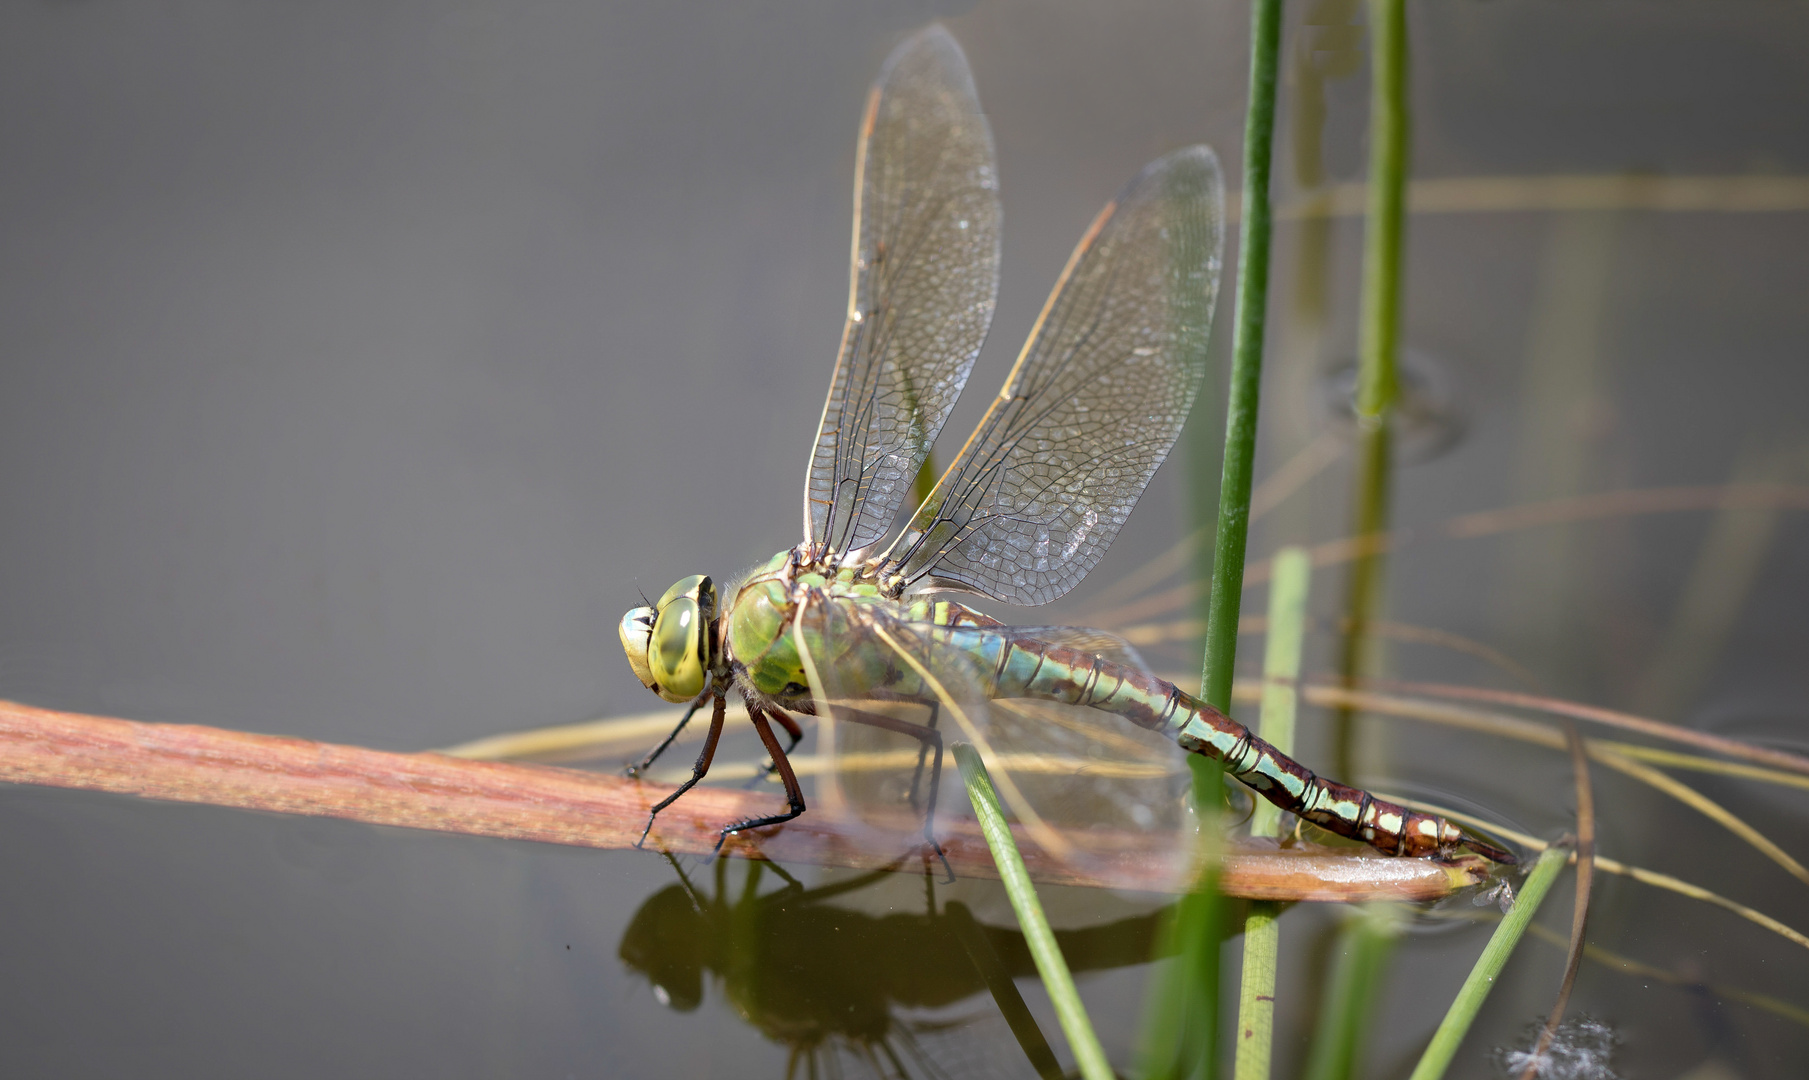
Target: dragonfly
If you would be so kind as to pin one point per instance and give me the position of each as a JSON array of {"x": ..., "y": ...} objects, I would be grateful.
[{"x": 855, "y": 626}]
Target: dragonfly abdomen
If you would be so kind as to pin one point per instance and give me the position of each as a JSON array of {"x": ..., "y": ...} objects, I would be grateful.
[{"x": 1028, "y": 667}]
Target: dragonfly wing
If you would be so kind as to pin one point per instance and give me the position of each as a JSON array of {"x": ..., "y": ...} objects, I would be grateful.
[
  {"x": 1093, "y": 405},
  {"x": 1081, "y": 781},
  {"x": 924, "y": 280},
  {"x": 1101, "y": 643}
]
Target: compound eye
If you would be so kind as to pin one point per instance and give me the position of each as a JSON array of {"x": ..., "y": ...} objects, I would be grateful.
[
  {"x": 636, "y": 631},
  {"x": 677, "y": 656},
  {"x": 693, "y": 586}
]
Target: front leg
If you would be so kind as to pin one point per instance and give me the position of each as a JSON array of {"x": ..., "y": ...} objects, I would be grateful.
[
  {"x": 794, "y": 793},
  {"x": 634, "y": 771},
  {"x": 698, "y": 769}
]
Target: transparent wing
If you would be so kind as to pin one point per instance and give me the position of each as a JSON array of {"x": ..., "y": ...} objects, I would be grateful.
[
  {"x": 1089, "y": 788},
  {"x": 1093, "y": 405},
  {"x": 925, "y": 276}
]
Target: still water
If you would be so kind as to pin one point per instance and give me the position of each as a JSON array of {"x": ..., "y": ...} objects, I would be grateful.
[{"x": 360, "y": 365}]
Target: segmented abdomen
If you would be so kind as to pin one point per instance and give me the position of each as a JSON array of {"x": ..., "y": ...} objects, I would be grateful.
[{"x": 1025, "y": 666}]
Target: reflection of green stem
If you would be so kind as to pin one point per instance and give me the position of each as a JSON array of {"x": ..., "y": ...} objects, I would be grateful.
[
  {"x": 1057, "y": 980},
  {"x": 1364, "y": 944},
  {"x": 1475, "y": 990},
  {"x": 1262, "y": 933},
  {"x": 1180, "y": 1026},
  {"x": 1378, "y": 336},
  {"x": 1004, "y": 991}
]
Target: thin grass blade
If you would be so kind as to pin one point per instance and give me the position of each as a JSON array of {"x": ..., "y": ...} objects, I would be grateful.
[
  {"x": 1475, "y": 990},
  {"x": 1057, "y": 980}
]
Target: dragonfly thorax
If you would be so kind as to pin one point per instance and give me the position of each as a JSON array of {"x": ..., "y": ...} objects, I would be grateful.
[
  {"x": 672, "y": 645},
  {"x": 761, "y": 624},
  {"x": 757, "y": 631}
]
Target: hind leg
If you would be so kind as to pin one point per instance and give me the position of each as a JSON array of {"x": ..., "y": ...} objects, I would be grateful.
[{"x": 931, "y": 740}]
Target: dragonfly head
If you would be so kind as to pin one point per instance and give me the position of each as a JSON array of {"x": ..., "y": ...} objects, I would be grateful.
[{"x": 672, "y": 645}]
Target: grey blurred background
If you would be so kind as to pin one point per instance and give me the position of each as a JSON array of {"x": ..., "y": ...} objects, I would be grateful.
[{"x": 360, "y": 362}]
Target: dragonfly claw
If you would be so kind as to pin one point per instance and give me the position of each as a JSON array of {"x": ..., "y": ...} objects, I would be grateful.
[
  {"x": 1489, "y": 851},
  {"x": 946, "y": 868}
]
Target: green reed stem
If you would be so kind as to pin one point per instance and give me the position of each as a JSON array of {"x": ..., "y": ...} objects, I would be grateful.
[
  {"x": 1379, "y": 332},
  {"x": 1368, "y": 579},
  {"x": 1262, "y": 929},
  {"x": 1475, "y": 990},
  {"x": 1181, "y": 1036},
  {"x": 1293, "y": 570},
  {"x": 1364, "y": 945},
  {"x": 1069, "y": 1010},
  {"x": 1246, "y": 360},
  {"x": 1378, "y": 340}
]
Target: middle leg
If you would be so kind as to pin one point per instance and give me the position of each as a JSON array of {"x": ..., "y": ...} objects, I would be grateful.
[
  {"x": 794, "y": 793},
  {"x": 792, "y": 730}
]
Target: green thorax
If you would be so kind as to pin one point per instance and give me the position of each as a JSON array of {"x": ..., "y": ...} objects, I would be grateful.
[{"x": 758, "y": 630}]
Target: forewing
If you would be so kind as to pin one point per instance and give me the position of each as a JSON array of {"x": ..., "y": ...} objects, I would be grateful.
[
  {"x": 1086, "y": 784},
  {"x": 1093, "y": 404},
  {"x": 924, "y": 279}
]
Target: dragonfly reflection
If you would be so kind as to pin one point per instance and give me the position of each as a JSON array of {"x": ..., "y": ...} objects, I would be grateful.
[{"x": 829, "y": 982}]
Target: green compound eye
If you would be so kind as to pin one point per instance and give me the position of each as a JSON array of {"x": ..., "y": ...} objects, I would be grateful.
[
  {"x": 692, "y": 586},
  {"x": 670, "y": 646},
  {"x": 676, "y": 664}
]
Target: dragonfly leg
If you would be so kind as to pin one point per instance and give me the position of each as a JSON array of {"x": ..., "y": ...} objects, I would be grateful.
[
  {"x": 653, "y": 755},
  {"x": 1488, "y": 851},
  {"x": 698, "y": 770},
  {"x": 914, "y": 730},
  {"x": 923, "y": 752},
  {"x": 931, "y": 740},
  {"x": 793, "y": 730},
  {"x": 794, "y": 794}
]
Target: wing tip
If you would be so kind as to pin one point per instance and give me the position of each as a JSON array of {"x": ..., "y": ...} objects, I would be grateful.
[
  {"x": 932, "y": 46},
  {"x": 1191, "y": 168}
]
